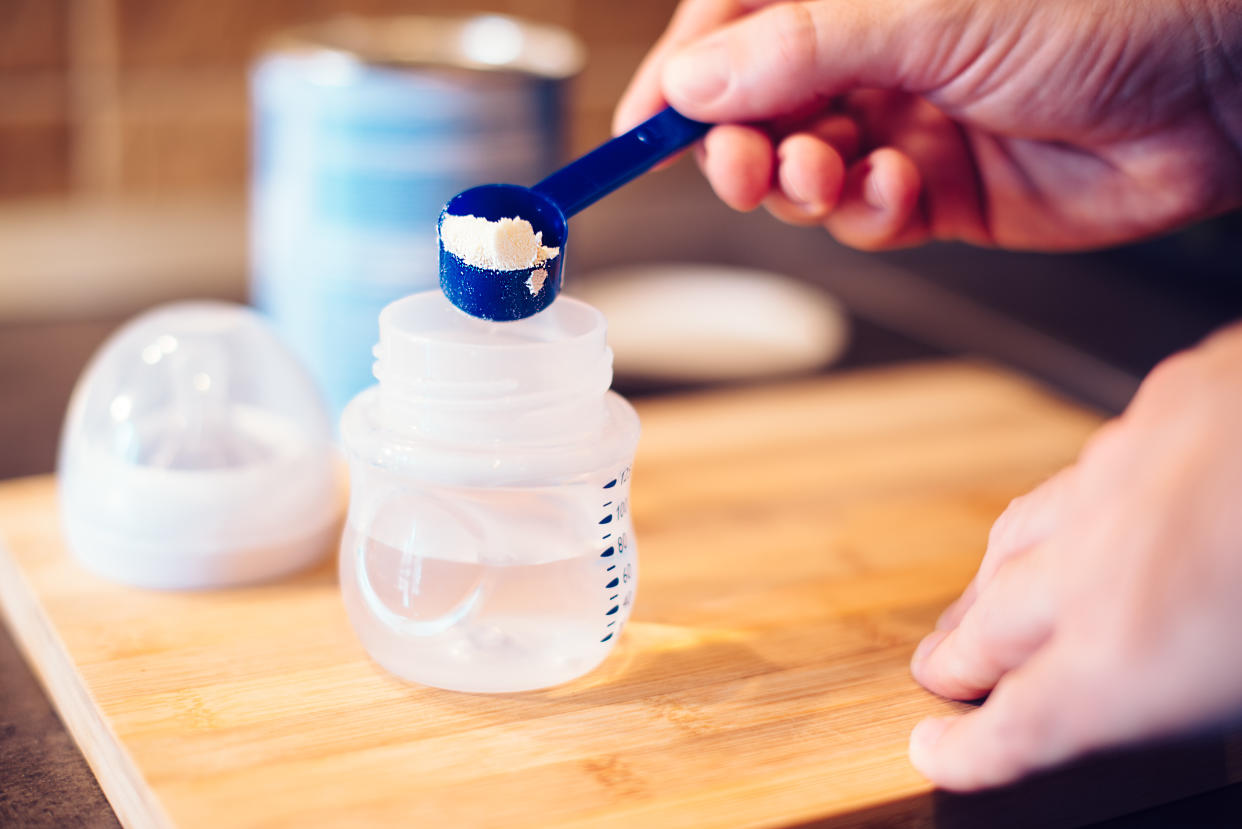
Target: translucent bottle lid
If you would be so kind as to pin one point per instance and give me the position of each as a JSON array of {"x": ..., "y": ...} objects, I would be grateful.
[{"x": 196, "y": 452}]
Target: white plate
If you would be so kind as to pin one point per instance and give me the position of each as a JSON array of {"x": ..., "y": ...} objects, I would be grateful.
[{"x": 702, "y": 323}]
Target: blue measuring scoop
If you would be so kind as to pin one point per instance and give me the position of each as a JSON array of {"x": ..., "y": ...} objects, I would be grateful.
[{"x": 510, "y": 295}]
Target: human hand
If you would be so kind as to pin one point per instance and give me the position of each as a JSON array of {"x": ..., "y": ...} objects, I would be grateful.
[
  {"x": 1108, "y": 606},
  {"x": 1038, "y": 124}
]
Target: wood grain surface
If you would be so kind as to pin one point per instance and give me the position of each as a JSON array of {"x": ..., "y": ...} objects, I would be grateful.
[{"x": 796, "y": 541}]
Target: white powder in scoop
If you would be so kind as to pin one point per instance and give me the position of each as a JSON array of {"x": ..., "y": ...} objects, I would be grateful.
[
  {"x": 502, "y": 245},
  {"x": 534, "y": 283}
]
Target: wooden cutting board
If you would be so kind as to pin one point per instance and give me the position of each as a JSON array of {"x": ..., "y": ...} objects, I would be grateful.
[{"x": 796, "y": 541}]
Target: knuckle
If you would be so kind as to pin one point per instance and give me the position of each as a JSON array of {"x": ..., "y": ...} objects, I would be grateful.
[
  {"x": 794, "y": 33},
  {"x": 1188, "y": 187},
  {"x": 1225, "y": 338},
  {"x": 1008, "y": 521},
  {"x": 959, "y": 676},
  {"x": 1172, "y": 373},
  {"x": 974, "y": 656},
  {"x": 1001, "y": 629},
  {"x": 1187, "y": 384},
  {"x": 1103, "y": 445},
  {"x": 992, "y": 610},
  {"x": 991, "y": 627},
  {"x": 1030, "y": 515}
]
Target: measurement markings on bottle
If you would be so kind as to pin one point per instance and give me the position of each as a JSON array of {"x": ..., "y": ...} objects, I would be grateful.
[{"x": 616, "y": 510}]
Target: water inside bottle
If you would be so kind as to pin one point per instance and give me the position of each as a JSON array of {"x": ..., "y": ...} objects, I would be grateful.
[{"x": 486, "y": 626}]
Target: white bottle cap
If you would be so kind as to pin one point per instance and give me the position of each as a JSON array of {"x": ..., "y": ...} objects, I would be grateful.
[{"x": 196, "y": 453}]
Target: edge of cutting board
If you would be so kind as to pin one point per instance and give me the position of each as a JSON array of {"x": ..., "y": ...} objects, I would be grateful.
[{"x": 134, "y": 805}]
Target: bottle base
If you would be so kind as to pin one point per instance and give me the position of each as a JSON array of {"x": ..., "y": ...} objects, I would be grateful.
[{"x": 491, "y": 660}]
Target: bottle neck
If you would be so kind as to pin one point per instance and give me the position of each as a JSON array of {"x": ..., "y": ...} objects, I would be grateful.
[{"x": 448, "y": 377}]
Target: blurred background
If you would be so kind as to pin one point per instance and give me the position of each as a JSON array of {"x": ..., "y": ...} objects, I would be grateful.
[{"x": 125, "y": 165}]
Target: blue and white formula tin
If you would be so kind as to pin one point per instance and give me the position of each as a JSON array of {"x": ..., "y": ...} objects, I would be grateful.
[{"x": 363, "y": 129}]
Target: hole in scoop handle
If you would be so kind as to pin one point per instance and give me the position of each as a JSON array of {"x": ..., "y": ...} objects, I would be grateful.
[{"x": 621, "y": 160}]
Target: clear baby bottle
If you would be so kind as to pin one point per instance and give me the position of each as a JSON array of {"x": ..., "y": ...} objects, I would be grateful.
[{"x": 489, "y": 546}]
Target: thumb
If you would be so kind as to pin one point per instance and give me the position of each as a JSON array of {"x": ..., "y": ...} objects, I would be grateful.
[{"x": 787, "y": 56}]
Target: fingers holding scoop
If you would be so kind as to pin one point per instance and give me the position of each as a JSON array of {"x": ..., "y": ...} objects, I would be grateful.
[
  {"x": 809, "y": 178},
  {"x": 802, "y": 177},
  {"x": 804, "y": 180},
  {"x": 810, "y": 164},
  {"x": 879, "y": 203},
  {"x": 738, "y": 162}
]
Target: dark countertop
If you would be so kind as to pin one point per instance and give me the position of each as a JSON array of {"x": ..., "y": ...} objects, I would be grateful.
[{"x": 1089, "y": 326}]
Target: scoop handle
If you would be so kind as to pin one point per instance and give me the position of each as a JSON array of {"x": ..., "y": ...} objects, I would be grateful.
[{"x": 583, "y": 182}]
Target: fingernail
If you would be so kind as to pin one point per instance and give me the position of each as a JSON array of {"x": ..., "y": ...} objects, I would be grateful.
[
  {"x": 699, "y": 75},
  {"x": 923, "y": 740},
  {"x": 929, "y": 643},
  {"x": 872, "y": 194}
]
